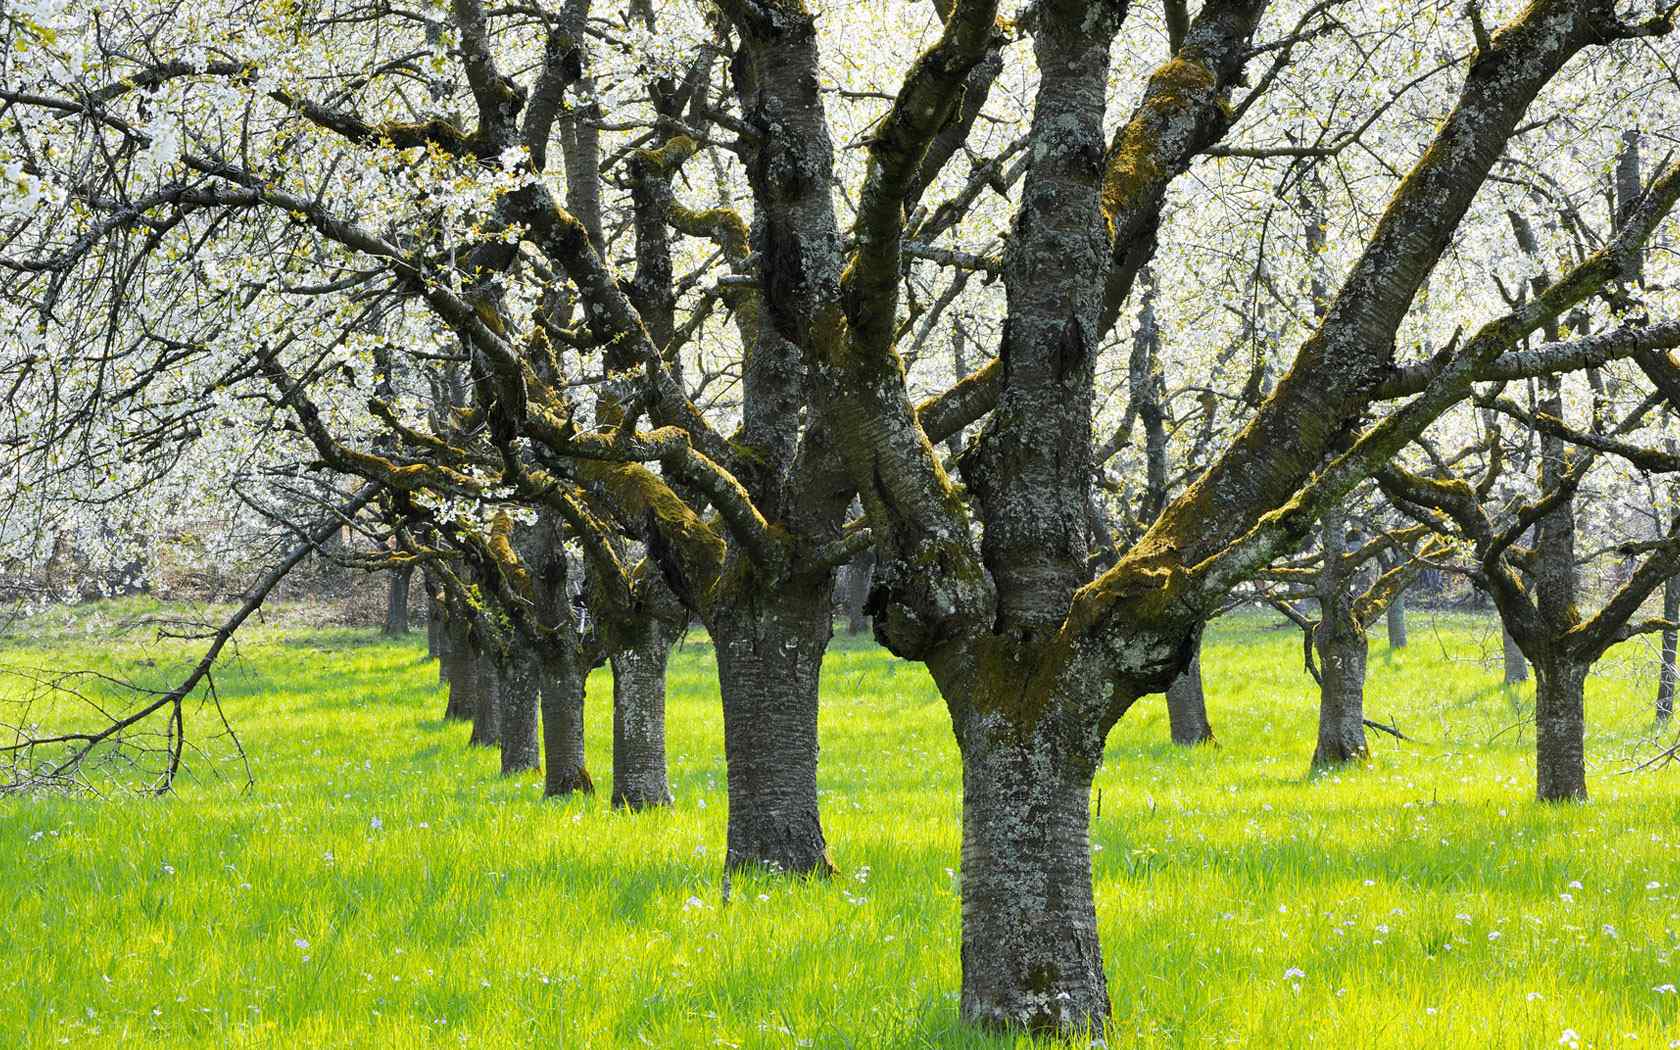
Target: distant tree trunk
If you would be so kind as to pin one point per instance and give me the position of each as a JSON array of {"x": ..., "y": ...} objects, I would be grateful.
[
  {"x": 447, "y": 636},
  {"x": 1430, "y": 583},
  {"x": 459, "y": 670},
  {"x": 769, "y": 661},
  {"x": 1341, "y": 645},
  {"x": 434, "y": 622},
  {"x": 520, "y": 677},
  {"x": 565, "y": 660},
  {"x": 486, "y": 731},
  {"x": 1397, "y": 621},
  {"x": 857, "y": 591},
  {"x": 330, "y": 573},
  {"x": 563, "y": 681},
  {"x": 1516, "y": 665},
  {"x": 396, "y": 601},
  {"x": 1187, "y": 703},
  {"x": 130, "y": 579},
  {"x": 639, "y": 774},
  {"x": 1665, "y": 681}
]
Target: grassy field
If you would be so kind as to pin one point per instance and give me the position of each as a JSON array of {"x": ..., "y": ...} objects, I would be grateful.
[{"x": 379, "y": 885}]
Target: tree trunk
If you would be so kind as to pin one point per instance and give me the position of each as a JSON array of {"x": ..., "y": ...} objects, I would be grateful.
[
  {"x": 1187, "y": 703},
  {"x": 1341, "y": 699},
  {"x": 1030, "y": 953},
  {"x": 331, "y": 574},
  {"x": 485, "y": 729},
  {"x": 564, "y": 661},
  {"x": 447, "y": 639},
  {"x": 1430, "y": 583},
  {"x": 1560, "y": 731},
  {"x": 639, "y": 773},
  {"x": 459, "y": 669},
  {"x": 1028, "y": 730},
  {"x": 1516, "y": 665},
  {"x": 1559, "y": 708},
  {"x": 434, "y": 623},
  {"x": 567, "y": 771},
  {"x": 769, "y": 659},
  {"x": 396, "y": 601},
  {"x": 1665, "y": 681},
  {"x": 1397, "y": 621},
  {"x": 1340, "y": 641},
  {"x": 520, "y": 678},
  {"x": 857, "y": 591}
]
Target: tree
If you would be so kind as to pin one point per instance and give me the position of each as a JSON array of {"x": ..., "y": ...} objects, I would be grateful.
[
  {"x": 1350, "y": 596},
  {"x": 1547, "y": 621},
  {"x": 396, "y": 602},
  {"x": 1035, "y": 662},
  {"x": 1395, "y": 615}
]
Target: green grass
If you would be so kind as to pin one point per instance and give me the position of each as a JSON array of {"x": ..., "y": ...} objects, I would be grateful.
[{"x": 1426, "y": 899}]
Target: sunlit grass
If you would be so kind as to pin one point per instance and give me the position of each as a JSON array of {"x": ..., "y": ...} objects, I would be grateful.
[{"x": 379, "y": 885}]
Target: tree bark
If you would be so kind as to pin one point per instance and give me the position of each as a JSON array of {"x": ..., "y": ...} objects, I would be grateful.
[
  {"x": 396, "y": 601},
  {"x": 1560, "y": 731},
  {"x": 769, "y": 658},
  {"x": 520, "y": 677},
  {"x": 1187, "y": 704},
  {"x": 434, "y": 623},
  {"x": 1341, "y": 700},
  {"x": 485, "y": 729},
  {"x": 1030, "y": 953},
  {"x": 857, "y": 591},
  {"x": 444, "y": 633},
  {"x": 567, "y": 771},
  {"x": 640, "y": 780},
  {"x": 1342, "y": 650},
  {"x": 1666, "y": 677},
  {"x": 458, "y": 668},
  {"x": 1559, "y": 711},
  {"x": 1516, "y": 665}
]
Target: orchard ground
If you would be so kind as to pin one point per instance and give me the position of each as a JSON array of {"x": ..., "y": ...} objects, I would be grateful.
[{"x": 380, "y": 885}]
